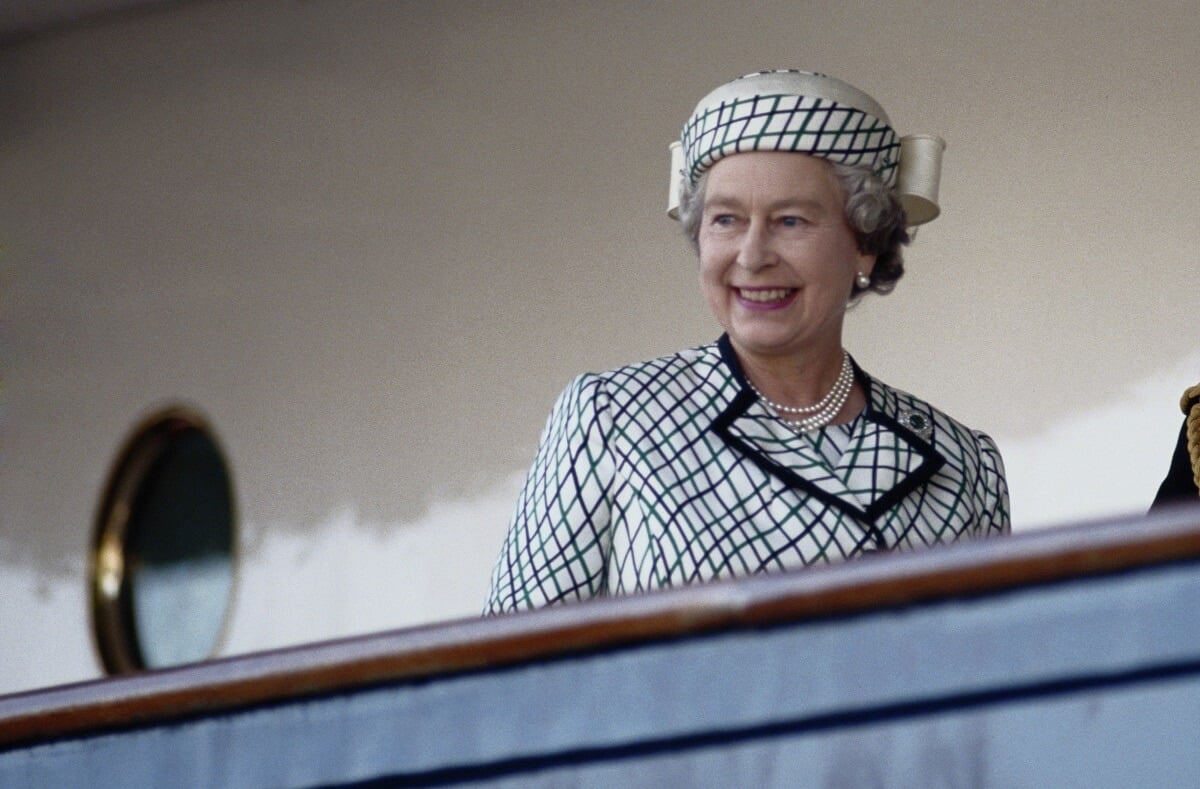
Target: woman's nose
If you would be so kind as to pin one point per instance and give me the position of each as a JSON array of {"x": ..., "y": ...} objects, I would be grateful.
[{"x": 755, "y": 251}]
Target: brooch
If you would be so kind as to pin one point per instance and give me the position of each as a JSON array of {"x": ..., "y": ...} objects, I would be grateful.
[{"x": 916, "y": 422}]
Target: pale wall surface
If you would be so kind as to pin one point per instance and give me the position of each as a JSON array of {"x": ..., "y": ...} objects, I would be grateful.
[{"x": 373, "y": 240}]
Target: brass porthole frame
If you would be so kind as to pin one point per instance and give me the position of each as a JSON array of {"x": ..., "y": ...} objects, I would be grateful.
[{"x": 114, "y": 629}]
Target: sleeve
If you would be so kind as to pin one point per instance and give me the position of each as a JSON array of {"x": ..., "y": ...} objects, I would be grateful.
[
  {"x": 1180, "y": 482},
  {"x": 994, "y": 519},
  {"x": 560, "y": 536}
]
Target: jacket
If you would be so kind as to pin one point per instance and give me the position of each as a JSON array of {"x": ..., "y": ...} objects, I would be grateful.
[{"x": 671, "y": 472}]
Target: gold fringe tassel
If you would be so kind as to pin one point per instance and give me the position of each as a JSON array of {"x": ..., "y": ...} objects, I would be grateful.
[{"x": 1190, "y": 403}]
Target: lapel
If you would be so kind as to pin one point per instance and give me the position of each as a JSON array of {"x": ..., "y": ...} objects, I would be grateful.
[{"x": 884, "y": 462}]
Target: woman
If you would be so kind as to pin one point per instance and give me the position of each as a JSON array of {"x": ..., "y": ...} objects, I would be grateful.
[{"x": 769, "y": 449}]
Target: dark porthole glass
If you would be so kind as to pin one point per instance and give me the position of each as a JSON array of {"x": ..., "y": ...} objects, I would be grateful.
[{"x": 163, "y": 551}]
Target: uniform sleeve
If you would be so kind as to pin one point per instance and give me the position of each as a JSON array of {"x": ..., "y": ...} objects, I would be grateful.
[
  {"x": 994, "y": 519},
  {"x": 560, "y": 536},
  {"x": 1180, "y": 482}
]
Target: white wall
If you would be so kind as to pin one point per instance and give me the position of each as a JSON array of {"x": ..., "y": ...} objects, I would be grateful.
[{"x": 372, "y": 242}]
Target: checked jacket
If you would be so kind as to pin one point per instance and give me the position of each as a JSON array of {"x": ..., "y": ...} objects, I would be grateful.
[{"x": 671, "y": 472}]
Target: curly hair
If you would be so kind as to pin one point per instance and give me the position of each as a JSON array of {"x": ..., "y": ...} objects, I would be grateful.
[{"x": 872, "y": 210}]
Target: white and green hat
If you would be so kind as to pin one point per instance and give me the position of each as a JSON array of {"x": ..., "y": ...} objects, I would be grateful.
[{"x": 803, "y": 112}]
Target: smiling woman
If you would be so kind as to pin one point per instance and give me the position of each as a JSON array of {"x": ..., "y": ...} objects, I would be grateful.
[
  {"x": 769, "y": 449},
  {"x": 778, "y": 262}
]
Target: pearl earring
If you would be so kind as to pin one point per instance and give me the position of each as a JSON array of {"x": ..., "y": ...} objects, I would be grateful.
[{"x": 862, "y": 280}]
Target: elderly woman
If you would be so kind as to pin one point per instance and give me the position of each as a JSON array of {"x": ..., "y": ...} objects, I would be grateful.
[{"x": 769, "y": 449}]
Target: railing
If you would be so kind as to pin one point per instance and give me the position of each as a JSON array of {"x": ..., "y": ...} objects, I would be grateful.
[{"x": 1074, "y": 649}]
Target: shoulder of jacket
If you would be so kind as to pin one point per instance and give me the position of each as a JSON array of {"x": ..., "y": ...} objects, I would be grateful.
[
  {"x": 691, "y": 361},
  {"x": 672, "y": 377},
  {"x": 901, "y": 405}
]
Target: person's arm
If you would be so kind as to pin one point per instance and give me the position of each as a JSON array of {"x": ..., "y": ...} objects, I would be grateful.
[
  {"x": 995, "y": 518},
  {"x": 1180, "y": 483},
  {"x": 560, "y": 536}
]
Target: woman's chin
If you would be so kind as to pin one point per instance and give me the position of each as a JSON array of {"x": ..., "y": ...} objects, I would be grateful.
[{"x": 761, "y": 343}]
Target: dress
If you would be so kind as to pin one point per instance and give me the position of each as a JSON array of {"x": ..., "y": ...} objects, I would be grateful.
[{"x": 671, "y": 472}]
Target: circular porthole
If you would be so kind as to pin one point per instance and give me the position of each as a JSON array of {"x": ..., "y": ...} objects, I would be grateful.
[{"x": 162, "y": 564}]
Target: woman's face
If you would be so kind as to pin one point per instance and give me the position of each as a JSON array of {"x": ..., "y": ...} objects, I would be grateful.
[{"x": 777, "y": 258}]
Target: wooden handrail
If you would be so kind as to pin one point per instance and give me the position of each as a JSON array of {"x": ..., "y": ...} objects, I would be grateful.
[{"x": 883, "y": 581}]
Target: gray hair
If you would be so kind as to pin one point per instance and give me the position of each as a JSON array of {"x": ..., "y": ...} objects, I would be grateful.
[{"x": 872, "y": 210}]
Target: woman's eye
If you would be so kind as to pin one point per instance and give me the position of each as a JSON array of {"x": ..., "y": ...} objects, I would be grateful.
[
  {"x": 723, "y": 220},
  {"x": 792, "y": 221}
]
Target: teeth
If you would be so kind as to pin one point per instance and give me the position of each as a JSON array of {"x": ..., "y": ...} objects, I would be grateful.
[{"x": 765, "y": 295}]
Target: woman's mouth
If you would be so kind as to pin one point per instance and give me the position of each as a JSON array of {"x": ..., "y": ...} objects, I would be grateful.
[{"x": 765, "y": 298}]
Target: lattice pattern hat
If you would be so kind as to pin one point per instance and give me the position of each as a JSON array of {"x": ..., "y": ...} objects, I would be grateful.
[{"x": 802, "y": 112}]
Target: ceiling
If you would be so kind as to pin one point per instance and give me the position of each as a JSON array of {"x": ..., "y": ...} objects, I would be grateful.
[{"x": 20, "y": 19}]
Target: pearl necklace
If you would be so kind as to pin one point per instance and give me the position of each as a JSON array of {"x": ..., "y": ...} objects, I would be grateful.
[{"x": 821, "y": 413}]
